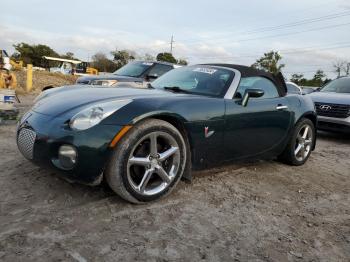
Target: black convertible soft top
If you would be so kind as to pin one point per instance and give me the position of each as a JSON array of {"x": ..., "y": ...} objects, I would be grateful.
[{"x": 247, "y": 71}]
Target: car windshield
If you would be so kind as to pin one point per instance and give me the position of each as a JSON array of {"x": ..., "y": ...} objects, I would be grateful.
[
  {"x": 341, "y": 85},
  {"x": 133, "y": 69},
  {"x": 201, "y": 79}
]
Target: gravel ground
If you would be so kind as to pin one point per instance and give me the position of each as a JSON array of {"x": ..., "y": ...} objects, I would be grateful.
[{"x": 264, "y": 211}]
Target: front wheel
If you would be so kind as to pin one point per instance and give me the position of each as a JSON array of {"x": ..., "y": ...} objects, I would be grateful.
[
  {"x": 148, "y": 162},
  {"x": 300, "y": 144}
]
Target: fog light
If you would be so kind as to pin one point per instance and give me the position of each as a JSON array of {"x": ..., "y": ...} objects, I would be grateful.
[{"x": 67, "y": 155}]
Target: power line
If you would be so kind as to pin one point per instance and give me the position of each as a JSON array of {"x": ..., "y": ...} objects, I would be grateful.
[
  {"x": 289, "y": 51},
  {"x": 279, "y": 27},
  {"x": 299, "y": 32},
  {"x": 290, "y": 33},
  {"x": 302, "y": 22}
]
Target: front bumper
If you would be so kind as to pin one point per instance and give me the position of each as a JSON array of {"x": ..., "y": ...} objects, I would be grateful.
[
  {"x": 46, "y": 134},
  {"x": 334, "y": 124}
]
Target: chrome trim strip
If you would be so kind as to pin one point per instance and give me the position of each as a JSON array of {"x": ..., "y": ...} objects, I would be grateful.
[{"x": 234, "y": 85}]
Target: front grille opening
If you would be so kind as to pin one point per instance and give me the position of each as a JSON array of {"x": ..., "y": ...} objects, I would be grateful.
[
  {"x": 25, "y": 141},
  {"x": 332, "y": 110}
]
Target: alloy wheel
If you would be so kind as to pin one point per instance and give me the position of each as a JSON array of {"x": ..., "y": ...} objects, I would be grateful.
[
  {"x": 153, "y": 163},
  {"x": 303, "y": 143}
]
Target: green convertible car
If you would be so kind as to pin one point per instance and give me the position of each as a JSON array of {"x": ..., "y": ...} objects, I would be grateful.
[{"x": 143, "y": 141}]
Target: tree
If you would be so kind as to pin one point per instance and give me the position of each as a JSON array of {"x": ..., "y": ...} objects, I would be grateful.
[
  {"x": 68, "y": 55},
  {"x": 166, "y": 57},
  {"x": 102, "y": 63},
  {"x": 347, "y": 69},
  {"x": 122, "y": 57},
  {"x": 318, "y": 78},
  {"x": 32, "y": 54},
  {"x": 269, "y": 62},
  {"x": 182, "y": 62},
  {"x": 338, "y": 67},
  {"x": 296, "y": 78}
]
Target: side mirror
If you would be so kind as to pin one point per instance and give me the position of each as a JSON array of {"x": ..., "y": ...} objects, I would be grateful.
[
  {"x": 151, "y": 77},
  {"x": 251, "y": 93}
]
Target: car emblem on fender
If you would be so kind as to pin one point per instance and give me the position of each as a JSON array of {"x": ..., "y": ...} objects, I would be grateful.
[
  {"x": 208, "y": 133},
  {"x": 325, "y": 107}
]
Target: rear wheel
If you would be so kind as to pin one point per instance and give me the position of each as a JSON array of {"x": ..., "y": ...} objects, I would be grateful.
[
  {"x": 301, "y": 143},
  {"x": 148, "y": 162}
]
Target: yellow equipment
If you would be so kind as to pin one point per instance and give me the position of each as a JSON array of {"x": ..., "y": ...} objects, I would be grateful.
[
  {"x": 8, "y": 80},
  {"x": 84, "y": 68},
  {"x": 91, "y": 71},
  {"x": 8, "y": 63},
  {"x": 16, "y": 65}
]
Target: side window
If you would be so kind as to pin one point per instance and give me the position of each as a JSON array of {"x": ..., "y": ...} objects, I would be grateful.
[
  {"x": 159, "y": 69},
  {"x": 269, "y": 88}
]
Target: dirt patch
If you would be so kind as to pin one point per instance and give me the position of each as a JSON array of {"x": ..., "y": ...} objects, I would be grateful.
[
  {"x": 42, "y": 79},
  {"x": 265, "y": 211}
]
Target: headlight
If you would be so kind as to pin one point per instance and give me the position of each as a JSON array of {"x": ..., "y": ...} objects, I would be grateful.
[
  {"x": 103, "y": 82},
  {"x": 93, "y": 115}
]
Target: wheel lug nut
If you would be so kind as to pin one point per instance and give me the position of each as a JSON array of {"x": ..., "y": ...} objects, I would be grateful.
[{"x": 158, "y": 156}]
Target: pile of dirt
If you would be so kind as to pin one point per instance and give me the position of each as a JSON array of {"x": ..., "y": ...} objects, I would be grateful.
[{"x": 42, "y": 79}]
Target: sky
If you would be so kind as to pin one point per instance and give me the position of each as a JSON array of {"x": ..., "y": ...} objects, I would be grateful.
[{"x": 309, "y": 35}]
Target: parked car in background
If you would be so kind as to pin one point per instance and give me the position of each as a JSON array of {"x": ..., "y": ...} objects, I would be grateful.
[
  {"x": 309, "y": 89},
  {"x": 332, "y": 104},
  {"x": 293, "y": 88},
  {"x": 143, "y": 141},
  {"x": 136, "y": 73}
]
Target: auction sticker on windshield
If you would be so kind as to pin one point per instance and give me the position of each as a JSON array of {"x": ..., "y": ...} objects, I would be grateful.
[
  {"x": 209, "y": 71},
  {"x": 147, "y": 63}
]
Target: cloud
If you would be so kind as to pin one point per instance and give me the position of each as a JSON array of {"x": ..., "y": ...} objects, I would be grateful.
[
  {"x": 344, "y": 4},
  {"x": 92, "y": 40},
  {"x": 82, "y": 44}
]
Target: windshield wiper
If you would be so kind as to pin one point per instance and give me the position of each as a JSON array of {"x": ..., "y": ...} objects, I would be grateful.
[{"x": 177, "y": 89}]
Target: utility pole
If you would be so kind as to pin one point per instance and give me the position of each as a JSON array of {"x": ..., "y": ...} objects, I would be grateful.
[{"x": 171, "y": 44}]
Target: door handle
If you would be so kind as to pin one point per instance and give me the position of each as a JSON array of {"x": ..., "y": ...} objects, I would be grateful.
[{"x": 281, "y": 107}]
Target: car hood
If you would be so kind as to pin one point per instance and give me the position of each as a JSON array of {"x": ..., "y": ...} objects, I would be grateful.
[
  {"x": 330, "y": 97},
  {"x": 85, "y": 79},
  {"x": 64, "y": 99}
]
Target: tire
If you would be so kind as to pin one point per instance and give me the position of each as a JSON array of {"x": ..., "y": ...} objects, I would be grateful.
[
  {"x": 289, "y": 155},
  {"x": 135, "y": 169}
]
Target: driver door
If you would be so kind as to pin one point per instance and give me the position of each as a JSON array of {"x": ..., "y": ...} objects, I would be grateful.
[{"x": 259, "y": 128}]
